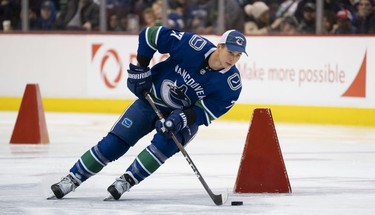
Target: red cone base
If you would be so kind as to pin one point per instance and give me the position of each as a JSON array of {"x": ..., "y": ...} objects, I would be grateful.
[{"x": 262, "y": 168}]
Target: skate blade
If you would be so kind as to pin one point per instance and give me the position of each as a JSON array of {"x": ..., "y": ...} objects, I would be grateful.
[
  {"x": 109, "y": 198},
  {"x": 52, "y": 197},
  {"x": 225, "y": 196}
]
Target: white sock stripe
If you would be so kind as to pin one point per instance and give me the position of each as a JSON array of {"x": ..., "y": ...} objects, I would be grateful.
[
  {"x": 137, "y": 171},
  {"x": 83, "y": 172},
  {"x": 158, "y": 153},
  {"x": 84, "y": 166},
  {"x": 97, "y": 159},
  {"x": 104, "y": 160},
  {"x": 143, "y": 167},
  {"x": 154, "y": 156}
]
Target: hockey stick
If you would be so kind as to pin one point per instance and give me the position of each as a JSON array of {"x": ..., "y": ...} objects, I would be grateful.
[{"x": 218, "y": 199}]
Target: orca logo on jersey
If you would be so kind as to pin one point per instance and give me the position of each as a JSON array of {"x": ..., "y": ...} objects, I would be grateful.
[
  {"x": 173, "y": 95},
  {"x": 234, "y": 82}
]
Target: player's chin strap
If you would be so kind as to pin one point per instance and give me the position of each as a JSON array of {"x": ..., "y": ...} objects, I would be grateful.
[{"x": 218, "y": 199}]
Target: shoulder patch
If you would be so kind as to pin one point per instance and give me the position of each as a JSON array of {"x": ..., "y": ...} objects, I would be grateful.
[
  {"x": 197, "y": 42},
  {"x": 234, "y": 82}
]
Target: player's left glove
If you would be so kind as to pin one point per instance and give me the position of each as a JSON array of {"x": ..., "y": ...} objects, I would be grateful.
[
  {"x": 139, "y": 80},
  {"x": 173, "y": 123}
]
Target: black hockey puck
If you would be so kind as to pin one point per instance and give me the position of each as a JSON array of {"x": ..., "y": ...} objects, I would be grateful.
[{"x": 235, "y": 203}]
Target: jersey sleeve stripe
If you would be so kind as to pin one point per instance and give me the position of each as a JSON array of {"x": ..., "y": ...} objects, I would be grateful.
[
  {"x": 209, "y": 115},
  {"x": 152, "y": 34},
  {"x": 208, "y": 110}
]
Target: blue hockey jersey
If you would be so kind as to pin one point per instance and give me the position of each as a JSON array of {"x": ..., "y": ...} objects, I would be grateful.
[{"x": 184, "y": 80}]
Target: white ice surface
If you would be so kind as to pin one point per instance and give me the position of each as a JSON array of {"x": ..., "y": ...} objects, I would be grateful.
[{"x": 331, "y": 171}]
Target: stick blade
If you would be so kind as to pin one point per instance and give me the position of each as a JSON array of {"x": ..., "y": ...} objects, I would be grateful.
[{"x": 220, "y": 199}]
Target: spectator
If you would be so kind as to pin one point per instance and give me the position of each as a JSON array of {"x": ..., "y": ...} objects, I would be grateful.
[
  {"x": 117, "y": 23},
  {"x": 175, "y": 16},
  {"x": 329, "y": 20},
  {"x": 112, "y": 22},
  {"x": 132, "y": 23},
  {"x": 273, "y": 7},
  {"x": 47, "y": 17},
  {"x": 157, "y": 8},
  {"x": 344, "y": 23},
  {"x": 330, "y": 5},
  {"x": 35, "y": 5},
  {"x": 199, "y": 19},
  {"x": 351, "y": 6},
  {"x": 119, "y": 7},
  {"x": 31, "y": 18},
  {"x": 366, "y": 17},
  {"x": 10, "y": 11},
  {"x": 289, "y": 25},
  {"x": 333, "y": 5},
  {"x": 137, "y": 7},
  {"x": 123, "y": 23},
  {"x": 79, "y": 15},
  {"x": 287, "y": 8},
  {"x": 234, "y": 15},
  {"x": 148, "y": 18},
  {"x": 259, "y": 18},
  {"x": 307, "y": 24}
]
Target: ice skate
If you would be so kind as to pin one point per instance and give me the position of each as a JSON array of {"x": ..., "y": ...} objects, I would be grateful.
[
  {"x": 120, "y": 186},
  {"x": 67, "y": 184}
]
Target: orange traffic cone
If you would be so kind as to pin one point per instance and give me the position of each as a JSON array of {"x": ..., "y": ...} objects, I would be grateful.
[
  {"x": 30, "y": 126},
  {"x": 262, "y": 168}
]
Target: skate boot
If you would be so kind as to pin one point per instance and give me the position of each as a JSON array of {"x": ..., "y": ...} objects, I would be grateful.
[
  {"x": 120, "y": 186},
  {"x": 67, "y": 184}
]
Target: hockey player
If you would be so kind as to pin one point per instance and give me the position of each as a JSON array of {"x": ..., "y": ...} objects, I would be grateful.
[{"x": 197, "y": 84}]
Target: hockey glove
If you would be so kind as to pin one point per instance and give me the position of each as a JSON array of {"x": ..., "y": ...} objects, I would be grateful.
[
  {"x": 139, "y": 80},
  {"x": 173, "y": 123}
]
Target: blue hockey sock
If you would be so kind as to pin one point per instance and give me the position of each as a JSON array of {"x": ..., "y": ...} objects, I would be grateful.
[
  {"x": 147, "y": 162},
  {"x": 110, "y": 148}
]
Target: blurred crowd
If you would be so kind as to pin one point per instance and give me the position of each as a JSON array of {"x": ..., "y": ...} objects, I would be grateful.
[{"x": 200, "y": 16}]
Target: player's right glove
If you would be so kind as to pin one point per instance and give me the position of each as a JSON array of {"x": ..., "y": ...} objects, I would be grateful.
[
  {"x": 173, "y": 123},
  {"x": 139, "y": 80}
]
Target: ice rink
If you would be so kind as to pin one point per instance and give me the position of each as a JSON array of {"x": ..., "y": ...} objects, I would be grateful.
[{"x": 331, "y": 171}]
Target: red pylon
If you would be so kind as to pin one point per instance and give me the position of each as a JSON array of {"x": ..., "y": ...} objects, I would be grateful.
[
  {"x": 30, "y": 127},
  {"x": 262, "y": 168}
]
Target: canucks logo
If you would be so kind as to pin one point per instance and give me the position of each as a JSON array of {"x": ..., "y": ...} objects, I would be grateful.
[
  {"x": 127, "y": 122},
  {"x": 240, "y": 41},
  {"x": 173, "y": 95},
  {"x": 197, "y": 42},
  {"x": 234, "y": 82}
]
